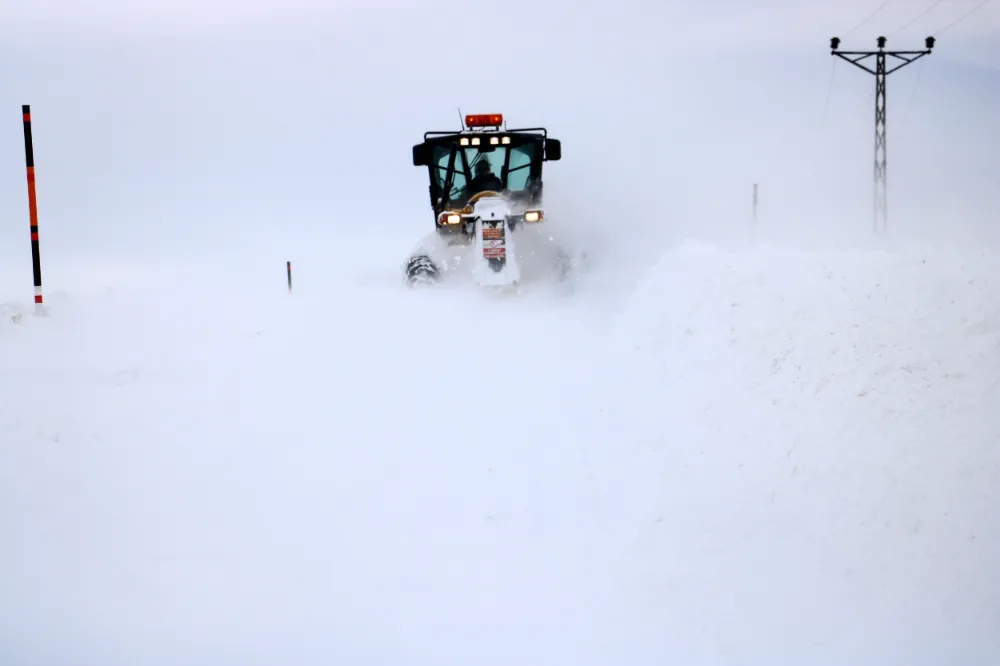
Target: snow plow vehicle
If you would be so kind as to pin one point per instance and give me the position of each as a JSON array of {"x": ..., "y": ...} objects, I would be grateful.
[{"x": 486, "y": 197}]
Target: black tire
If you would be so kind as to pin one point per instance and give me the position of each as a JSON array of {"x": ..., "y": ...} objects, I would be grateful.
[{"x": 421, "y": 270}]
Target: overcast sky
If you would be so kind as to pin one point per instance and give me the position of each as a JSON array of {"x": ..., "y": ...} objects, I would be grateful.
[
  {"x": 158, "y": 121},
  {"x": 707, "y": 23}
]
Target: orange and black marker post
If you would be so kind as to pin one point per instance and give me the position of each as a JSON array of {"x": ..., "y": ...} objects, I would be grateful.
[
  {"x": 288, "y": 267},
  {"x": 29, "y": 156}
]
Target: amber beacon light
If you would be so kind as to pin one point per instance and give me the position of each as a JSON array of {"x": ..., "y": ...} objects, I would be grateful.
[{"x": 484, "y": 120}]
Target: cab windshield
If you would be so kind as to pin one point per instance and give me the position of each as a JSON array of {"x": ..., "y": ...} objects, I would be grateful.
[{"x": 511, "y": 164}]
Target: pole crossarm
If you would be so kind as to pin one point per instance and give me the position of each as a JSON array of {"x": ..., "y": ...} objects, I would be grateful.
[{"x": 855, "y": 58}]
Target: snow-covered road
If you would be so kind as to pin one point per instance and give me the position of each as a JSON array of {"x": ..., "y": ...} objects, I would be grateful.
[{"x": 756, "y": 456}]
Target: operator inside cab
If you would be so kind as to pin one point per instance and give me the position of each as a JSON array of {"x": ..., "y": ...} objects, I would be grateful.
[{"x": 484, "y": 179}]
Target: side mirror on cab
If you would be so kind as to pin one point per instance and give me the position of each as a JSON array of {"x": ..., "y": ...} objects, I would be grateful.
[
  {"x": 553, "y": 150},
  {"x": 421, "y": 154}
]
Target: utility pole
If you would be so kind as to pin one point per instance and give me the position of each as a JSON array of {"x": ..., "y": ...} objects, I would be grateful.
[{"x": 881, "y": 71}]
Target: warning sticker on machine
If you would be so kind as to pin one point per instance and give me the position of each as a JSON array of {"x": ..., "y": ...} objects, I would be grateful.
[{"x": 493, "y": 240}]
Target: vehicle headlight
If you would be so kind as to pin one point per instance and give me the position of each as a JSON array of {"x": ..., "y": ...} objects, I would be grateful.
[{"x": 534, "y": 216}]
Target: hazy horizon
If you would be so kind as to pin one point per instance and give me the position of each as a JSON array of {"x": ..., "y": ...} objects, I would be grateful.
[
  {"x": 275, "y": 119},
  {"x": 296, "y": 117}
]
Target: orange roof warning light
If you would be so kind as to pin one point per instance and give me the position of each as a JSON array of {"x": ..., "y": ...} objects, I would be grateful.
[{"x": 484, "y": 120}]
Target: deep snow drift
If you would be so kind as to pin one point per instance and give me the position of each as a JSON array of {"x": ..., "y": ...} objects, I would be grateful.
[{"x": 760, "y": 456}]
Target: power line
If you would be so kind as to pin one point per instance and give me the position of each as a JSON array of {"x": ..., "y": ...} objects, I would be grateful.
[
  {"x": 916, "y": 82},
  {"x": 869, "y": 18},
  {"x": 885, "y": 3},
  {"x": 829, "y": 89},
  {"x": 833, "y": 69},
  {"x": 917, "y": 18},
  {"x": 961, "y": 18},
  {"x": 964, "y": 16}
]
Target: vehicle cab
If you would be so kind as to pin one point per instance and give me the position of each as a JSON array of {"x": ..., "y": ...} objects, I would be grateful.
[{"x": 485, "y": 160}]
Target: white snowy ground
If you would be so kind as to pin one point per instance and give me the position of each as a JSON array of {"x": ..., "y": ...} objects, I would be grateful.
[{"x": 760, "y": 456}]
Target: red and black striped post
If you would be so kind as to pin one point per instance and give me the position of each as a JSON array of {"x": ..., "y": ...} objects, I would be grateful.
[
  {"x": 29, "y": 156},
  {"x": 288, "y": 267}
]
